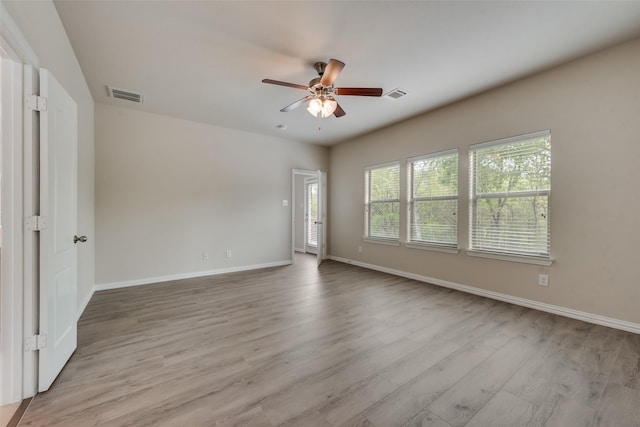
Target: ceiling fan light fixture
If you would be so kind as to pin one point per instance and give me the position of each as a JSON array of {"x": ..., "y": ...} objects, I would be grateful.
[
  {"x": 324, "y": 106},
  {"x": 315, "y": 107},
  {"x": 328, "y": 107}
]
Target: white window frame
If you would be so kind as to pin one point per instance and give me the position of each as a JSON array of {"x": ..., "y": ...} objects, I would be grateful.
[
  {"x": 412, "y": 199},
  {"x": 539, "y": 259},
  {"x": 394, "y": 241}
]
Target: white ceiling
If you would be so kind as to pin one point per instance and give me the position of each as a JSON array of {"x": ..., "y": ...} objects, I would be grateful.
[{"x": 204, "y": 61}]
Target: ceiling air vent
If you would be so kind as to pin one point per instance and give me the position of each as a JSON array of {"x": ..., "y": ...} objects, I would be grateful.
[
  {"x": 127, "y": 95},
  {"x": 395, "y": 94}
]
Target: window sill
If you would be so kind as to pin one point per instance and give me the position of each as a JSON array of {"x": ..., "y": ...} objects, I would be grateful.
[
  {"x": 388, "y": 242},
  {"x": 435, "y": 248},
  {"x": 514, "y": 258}
]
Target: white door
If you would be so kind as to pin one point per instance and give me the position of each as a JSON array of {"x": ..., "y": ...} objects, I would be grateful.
[
  {"x": 322, "y": 217},
  {"x": 58, "y": 208}
]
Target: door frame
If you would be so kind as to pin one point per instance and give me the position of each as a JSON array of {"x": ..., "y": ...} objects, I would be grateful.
[
  {"x": 309, "y": 174},
  {"x": 22, "y": 317},
  {"x": 307, "y": 181}
]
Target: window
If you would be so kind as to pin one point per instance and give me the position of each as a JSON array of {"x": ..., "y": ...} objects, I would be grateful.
[
  {"x": 382, "y": 202},
  {"x": 509, "y": 196},
  {"x": 433, "y": 199}
]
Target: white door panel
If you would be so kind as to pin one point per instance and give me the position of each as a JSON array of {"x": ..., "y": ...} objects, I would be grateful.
[
  {"x": 311, "y": 215},
  {"x": 322, "y": 217},
  {"x": 58, "y": 207}
]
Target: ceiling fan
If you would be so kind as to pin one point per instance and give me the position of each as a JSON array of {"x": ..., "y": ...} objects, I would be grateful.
[{"x": 321, "y": 100}]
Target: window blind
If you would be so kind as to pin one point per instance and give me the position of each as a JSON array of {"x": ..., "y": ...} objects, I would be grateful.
[
  {"x": 433, "y": 199},
  {"x": 382, "y": 201},
  {"x": 509, "y": 197}
]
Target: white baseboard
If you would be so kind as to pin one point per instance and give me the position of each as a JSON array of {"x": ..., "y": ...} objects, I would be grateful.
[
  {"x": 85, "y": 303},
  {"x": 299, "y": 249},
  {"x": 549, "y": 308},
  {"x": 150, "y": 280}
]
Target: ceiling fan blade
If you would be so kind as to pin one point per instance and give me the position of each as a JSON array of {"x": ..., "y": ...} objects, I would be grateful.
[
  {"x": 358, "y": 91},
  {"x": 339, "y": 112},
  {"x": 296, "y": 104},
  {"x": 279, "y": 83},
  {"x": 331, "y": 72}
]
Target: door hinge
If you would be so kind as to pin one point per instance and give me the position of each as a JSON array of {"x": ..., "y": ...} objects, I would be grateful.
[
  {"x": 35, "y": 223},
  {"x": 37, "y": 103},
  {"x": 36, "y": 342}
]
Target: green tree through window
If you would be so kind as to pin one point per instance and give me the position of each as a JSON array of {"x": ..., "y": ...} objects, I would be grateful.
[
  {"x": 433, "y": 199},
  {"x": 510, "y": 186},
  {"x": 382, "y": 202}
]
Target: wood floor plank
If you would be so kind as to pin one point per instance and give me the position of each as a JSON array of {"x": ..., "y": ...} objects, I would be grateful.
[
  {"x": 619, "y": 407},
  {"x": 575, "y": 368},
  {"x": 503, "y": 410},
  {"x": 626, "y": 370},
  {"x": 559, "y": 410},
  {"x": 461, "y": 402},
  {"x": 408, "y": 400},
  {"x": 334, "y": 346},
  {"x": 426, "y": 418}
]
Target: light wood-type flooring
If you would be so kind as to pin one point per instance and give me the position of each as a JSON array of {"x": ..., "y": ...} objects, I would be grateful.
[{"x": 335, "y": 346}]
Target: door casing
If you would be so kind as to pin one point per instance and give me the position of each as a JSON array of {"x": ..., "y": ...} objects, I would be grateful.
[{"x": 322, "y": 229}]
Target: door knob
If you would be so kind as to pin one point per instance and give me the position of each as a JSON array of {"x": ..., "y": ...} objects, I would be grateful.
[{"x": 80, "y": 239}]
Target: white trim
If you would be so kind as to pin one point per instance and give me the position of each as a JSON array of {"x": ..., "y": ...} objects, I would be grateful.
[
  {"x": 549, "y": 308},
  {"x": 301, "y": 250},
  {"x": 516, "y": 138},
  {"x": 159, "y": 279},
  {"x": 11, "y": 35},
  {"x": 380, "y": 241},
  {"x": 514, "y": 258},
  {"x": 12, "y": 41},
  {"x": 83, "y": 305},
  {"x": 383, "y": 165},
  {"x": 434, "y": 155},
  {"x": 11, "y": 284},
  {"x": 305, "y": 197},
  {"x": 322, "y": 213},
  {"x": 435, "y": 248},
  {"x": 31, "y": 253}
]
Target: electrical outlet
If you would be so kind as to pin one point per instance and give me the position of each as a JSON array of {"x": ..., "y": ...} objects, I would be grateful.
[
  {"x": 543, "y": 280},
  {"x": 228, "y": 253},
  {"x": 359, "y": 248},
  {"x": 205, "y": 255}
]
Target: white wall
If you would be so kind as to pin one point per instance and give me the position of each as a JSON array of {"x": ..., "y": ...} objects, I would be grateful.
[
  {"x": 168, "y": 190},
  {"x": 592, "y": 108},
  {"x": 41, "y": 26}
]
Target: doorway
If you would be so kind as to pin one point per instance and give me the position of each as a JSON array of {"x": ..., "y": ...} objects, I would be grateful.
[
  {"x": 311, "y": 215},
  {"x": 308, "y": 213},
  {"x": 38, "y": 179}
]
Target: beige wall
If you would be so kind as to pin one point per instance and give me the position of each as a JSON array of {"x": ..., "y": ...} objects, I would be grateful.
[
  {"x": 41, "y": 26},
  {"x": 592, "y": 108},
  {"x": 168, "y": 190}
]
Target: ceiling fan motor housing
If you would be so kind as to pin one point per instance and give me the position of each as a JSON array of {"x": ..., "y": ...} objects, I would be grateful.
[
  {"x": 315, "y": 84},
  {"x": 320, "y": 67}
]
